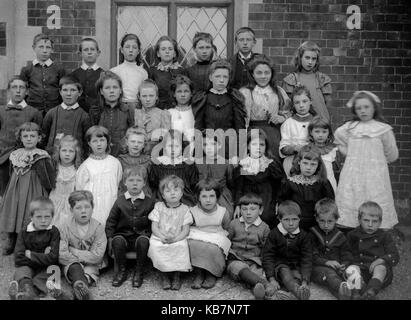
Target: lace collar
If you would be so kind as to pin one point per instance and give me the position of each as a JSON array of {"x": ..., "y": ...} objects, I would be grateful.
[
  {"x": 262, "y": 91},
  {"x": 166, "y": 160},
  {"x": 173, "y": 66},
  {"x": 300, "y": 179},
  {"x": 220, "y": 93},
  {"x": 23, "y": 158},
  {"x": 254, "y": 166},
  {"x": 370, "y": 128}
]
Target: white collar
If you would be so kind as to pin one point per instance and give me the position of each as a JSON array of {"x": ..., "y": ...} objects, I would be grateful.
[
  {"x": 66, "y": 107},
  {"x": 85, "y": 66},
  {"x": 23, "y": 103},
  {"x": 30, "y": 227},
  {"x": 167, "y": 160},
  {"x": 141, "y": 196},
  {"x": 259, "y": 90},
  {"x": 48, "y": 62},
  {"x": 285, "y": 232},
  {"x": 243, "y": 57},
  {"x": 256, "y": 222},
  {"x": 212, "y": 90}
]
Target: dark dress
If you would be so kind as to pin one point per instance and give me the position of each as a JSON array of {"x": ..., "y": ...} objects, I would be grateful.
[
  {"x": 199, "y": 75},
  {"x": 306, "y": 193},
  {"x": 265, "y": 183}
]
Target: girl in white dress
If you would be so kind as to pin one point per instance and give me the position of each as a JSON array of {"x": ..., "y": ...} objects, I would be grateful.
[
  {"x": 369, "y": 144},
  {"x": 100, "y": 173},
  {"x": 67, "y": 159}
]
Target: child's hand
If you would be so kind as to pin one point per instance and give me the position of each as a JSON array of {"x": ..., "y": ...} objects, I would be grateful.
[
  {"x": 277, "y": 119},
  {"x": 272, "y": 287},
  {"x": 236, "y": 212},
  {"x": 376, "y": 263},
  {"x": 333, "y": 264},
  {"x": 304, "y": 285},
  {"x": 27, "y": 253},
  {"x": 47, "y": 250},
  {"x": 234, "y": 161}
]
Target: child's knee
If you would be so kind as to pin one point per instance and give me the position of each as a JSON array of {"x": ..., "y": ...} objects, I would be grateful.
[{"x": 380, "y": 272}]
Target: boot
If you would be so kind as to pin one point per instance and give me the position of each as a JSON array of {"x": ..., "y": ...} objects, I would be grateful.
[
  {"x": 373, "y": 287},
  {"x": 27, "y": 290},
  {"x": 81, "y": 291},
  {"x": 176, "y": 283},
  {"x": 258, "y": 284},
  {"x": 120, "y": 277},
  {"x": 199, "y": 278},
  {"x": 137, "y": 280},
  {"x": 13, "y": 289},
  {"x": 10, "y": 244},
  {"x": 355, "y": 294},
  {"x": 165, "y": 281},
  {"x": 209, "y": 281},
  {"x": 344, "y": 293}
]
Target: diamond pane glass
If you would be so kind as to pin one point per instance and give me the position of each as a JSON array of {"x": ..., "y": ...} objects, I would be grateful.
[{"x": 206, "y": 19}]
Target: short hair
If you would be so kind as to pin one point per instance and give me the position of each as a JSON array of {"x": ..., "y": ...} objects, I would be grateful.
[
  {"x": 41, "y": 203},
  {"x": 205, "y": 36},
  {"x": 326, "y": 206},
  {"x": 80, "y": 48},
  {"x": 42, "y": 36},
  {"x": 80, "y": 195},
  {"x": 76, "y": 145},
  {"x": 174, "y": 180},
  {"x": 16, "y": 77},
  {"x": 250, "y": 198},
  {"x": 27, "y": 126},
  {"x": 131, "y": 36},
  {"x": 299, "y": 90},
  {"x": 105, "y": 75},
  {"x": 208, "y": 184},
  {"x": 288, "y": 207},
  {"x": 220, "y": 64},
  {"x": 138, "y": 170},
  {"x": 70, "y": 80},
  {"x": 306, "y": 46},
  {"x": 98, "y": 131},
  {"x": 242, "y": 30},
  {"x": 319, "y": 122},
  {"x": 177, "y": 81},
  {"x": 309, "y": 152},
  {"x": 148, "y": 83},
  {"x": 370, "y": 207},
  {"x": 136, "y": 131},
  {"x": 172, "y": 41}
]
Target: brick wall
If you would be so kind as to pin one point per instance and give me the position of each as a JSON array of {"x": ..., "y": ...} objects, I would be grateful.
[
  {"x": 377, "y": 58},
  {"x": 77, "y": 21}
]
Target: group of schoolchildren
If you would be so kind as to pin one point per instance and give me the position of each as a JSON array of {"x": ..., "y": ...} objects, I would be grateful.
[{"x": 268, "y": 219}]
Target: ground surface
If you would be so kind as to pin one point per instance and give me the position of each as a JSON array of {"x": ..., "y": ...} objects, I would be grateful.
[{"x": 225, "y": 289}]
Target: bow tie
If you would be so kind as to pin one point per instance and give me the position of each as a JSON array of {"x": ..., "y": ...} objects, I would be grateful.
[{"x": 14, "y": 106}]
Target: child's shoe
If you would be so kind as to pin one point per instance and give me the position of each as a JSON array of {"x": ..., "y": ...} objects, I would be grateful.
[
  {"x": 10, "y": 243},
  {"x": 120, "y": 277},
  {"x": 81, "y": 291},
  {"x": 209, "y": 281},
  {"x": 303, "y": 293},
  {"x": 137, "y": 280},
  {"x": 355, "y": 295},
  {"x": 370, "y": 294},
  {"x": 13, "y": 289},
  {"x": 56, "y": 293},
  {"x": 344, "y": 293},
  {"x": 199, "y": 278},
  {"x": 176, "y": 283},
  {"x": 165, "y": 281},
  {"x": 259, "y": 291},
  {"x": 27, "y": 290}
]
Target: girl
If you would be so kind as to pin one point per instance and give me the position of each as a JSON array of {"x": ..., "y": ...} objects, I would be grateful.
[
  {"x": 131, "y": 71},
  {"x": 170, "y": 226},
  {"x": 173, "y": 162},
  {"x": 267, "y": 104},
  {"x": 33, "y": 175},
  {"x": 207, "y": 239},
  {"x": 294, "y": 131},
  {"x": 67, "y": 159},
  {"x": 116, "y": 117},
  {"x": 307, "y": 64},
  {"x": 307, "y": 184},
  {"x": 166, "y": 70},
  {"x": 213, "y": 165},
  {"x": 100, "y": 173},
  {"x": 369, "y": 144},
  {"x": 259, "y": 173},
  {"x": 321, "y": 135}
]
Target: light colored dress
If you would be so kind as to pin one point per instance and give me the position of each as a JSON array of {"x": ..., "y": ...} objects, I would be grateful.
[
  {"x": 65, "y": 183},
  {"x": 369, "y": 146},
  {"x": 183, "y": 121},
  {"x": 102, "y": 178},
  {"x": 169, "y": 257},
  {"x": 132, "y": 76}
]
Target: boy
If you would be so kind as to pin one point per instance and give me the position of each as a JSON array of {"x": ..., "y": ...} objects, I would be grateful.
[
  {"x": 128, "y": 227},
  {"x": 82, "y": 245},
  {"x": 245, "y": 42},
  {"x": 87, "y": 75},
  {"x": 14, "y": 114},
  {"x": 374, "y": 251},
  {"x": 331, "y": 252},
  {"x": 68, "y": 117},
  {"x": 248, "y": 235},
  {"x": 37, "y": 248},
  {"x": 287, "y": 253},
  {"x": 43, "y": 76}
]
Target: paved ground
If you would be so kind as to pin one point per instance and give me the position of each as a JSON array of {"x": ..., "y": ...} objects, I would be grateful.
[{"x": 225, "y": 289}]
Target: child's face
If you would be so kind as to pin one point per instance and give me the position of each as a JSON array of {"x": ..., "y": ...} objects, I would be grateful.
[
  {"x": 172, "y": 194},
  {"x": 111, "y": 91},
  {"x": 43, "y": 50},
  {"x": 302, "y": 104},
  {"x": 98, "y": 145},
  {"x": 308, "y": 167},
  {"x": 208, "y": 199},
  {"x": 219, "y": 79},
  {"x": 183, "y": 94},
  {"x": 89, "y": 52},
  {"x": 370, "y": 223},
  {"x": 130, "y": 50},
  {"x": 30, "y": 139},
  {"x": 67, "y": 154},
  {"x": 135, "y": 144},
  {"x": 250, "y": 212},
  {"x": 70, "y": 94},
  {"x": 262, "y": 75},
  {"x": 42, "y": 218},
  {"x": 173, "y": 148},
  {"x": 364, "y": 109},
  {"x": 134, "y": 184},
  {"x": 309, "y": 60},
  {"x": 211, "y": 148},
  {"x": 326, "y": 222},
  {"x": 257, "y": 148},
  {"x": 148, "y": 97},
  {"x": 245, "y": 42},
  {"x": 203, "y": 50},
  {"x": 82, "y": 211},
  {"x": 17, "y": 91},
  {"x": 166, "y": 52},
  {"x": 320, "y": 135},
  {"x": 290, "y": 222}
]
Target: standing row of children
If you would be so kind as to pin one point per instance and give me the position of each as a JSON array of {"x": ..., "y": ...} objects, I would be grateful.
[{"x": 306, "y": 142}]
